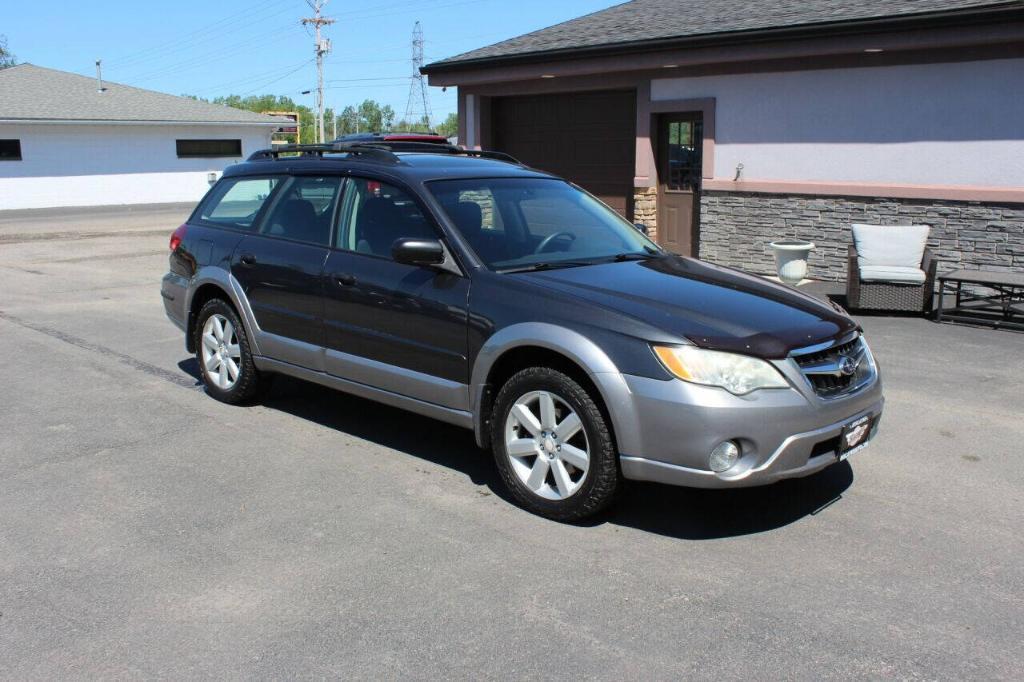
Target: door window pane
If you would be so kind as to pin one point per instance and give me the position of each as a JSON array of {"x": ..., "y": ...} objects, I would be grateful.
[
  {"x": 237, "y": 202},
  {"x": 377, "y": 214},
  {"x": 685, "y": 140},
  {"x": 303, "y": 210}
]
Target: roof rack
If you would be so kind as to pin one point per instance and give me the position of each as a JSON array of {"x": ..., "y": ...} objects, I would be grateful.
[
  {"x": 435, "y": 148},
  {"x": 378, "y": 151},
  {"x": 374, "y": 151}
]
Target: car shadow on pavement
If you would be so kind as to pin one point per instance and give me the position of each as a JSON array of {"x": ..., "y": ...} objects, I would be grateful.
[
  {"x": 683, "y": 513},
  {"x": 190, "y": 366},
  {"x": 428, "y": 439},
  {"x": 695, "y": 514}
]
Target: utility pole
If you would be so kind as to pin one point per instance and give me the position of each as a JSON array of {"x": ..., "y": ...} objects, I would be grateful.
[
  {"x": 418, "y": 103},
  {"x": 321, "y": 46}
]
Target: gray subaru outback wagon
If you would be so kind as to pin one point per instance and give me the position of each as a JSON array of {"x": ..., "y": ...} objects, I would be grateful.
[{"x": 464, "y": 286}]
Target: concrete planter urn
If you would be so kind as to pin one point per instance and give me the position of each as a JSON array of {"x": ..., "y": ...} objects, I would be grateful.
[{"x": 791, "y": 259}]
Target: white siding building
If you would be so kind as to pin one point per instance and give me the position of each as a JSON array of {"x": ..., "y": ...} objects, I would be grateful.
[{"x": 63, "y": 142}]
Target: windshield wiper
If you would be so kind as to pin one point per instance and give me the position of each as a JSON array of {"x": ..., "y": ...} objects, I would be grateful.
[
  {"x": 547, "y": 265},
  {"x": 648, "y": 252}
]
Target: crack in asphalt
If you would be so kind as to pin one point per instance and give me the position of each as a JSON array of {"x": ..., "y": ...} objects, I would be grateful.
[
  {"x": 112, "y": 256},
  {"x": 20, "y": 237},
  {"x": 134, "y": 363}
]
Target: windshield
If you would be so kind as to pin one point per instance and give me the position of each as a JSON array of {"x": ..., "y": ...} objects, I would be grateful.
[{"x": 530, "y": 223}]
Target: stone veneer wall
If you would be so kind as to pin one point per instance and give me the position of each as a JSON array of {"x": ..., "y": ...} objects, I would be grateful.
[
  {"x": 736, "y": 228},
  {"x": 645, "y": 209}
]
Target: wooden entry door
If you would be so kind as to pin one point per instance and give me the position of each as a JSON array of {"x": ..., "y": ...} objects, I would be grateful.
[{"x": 680, "y": 141}]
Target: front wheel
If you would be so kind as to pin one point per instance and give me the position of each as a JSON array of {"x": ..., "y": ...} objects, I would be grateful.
[{"x": 553, "y": 446}]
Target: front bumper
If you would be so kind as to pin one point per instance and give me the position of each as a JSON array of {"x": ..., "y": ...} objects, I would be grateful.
[{"x": 783, "y": 433}]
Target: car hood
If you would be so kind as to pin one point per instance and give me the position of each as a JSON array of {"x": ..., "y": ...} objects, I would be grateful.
[{"x": 709, "y": 305}]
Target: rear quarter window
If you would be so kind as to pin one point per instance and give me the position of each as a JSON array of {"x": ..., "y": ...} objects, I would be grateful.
[{"x": 236, "y": 202}]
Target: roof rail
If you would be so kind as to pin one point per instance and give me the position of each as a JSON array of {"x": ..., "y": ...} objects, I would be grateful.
[
  {"x": 378, "y": 151},
  {"x": 374, "y": 151},
  {"x": 488, "y": 154},
  {"x": 434, "y": 147}
]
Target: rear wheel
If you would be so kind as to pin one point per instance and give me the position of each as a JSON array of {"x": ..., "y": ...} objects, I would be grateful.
[
  {"x": 553, "y": 446},
  {"x": 225, "y": 359}
]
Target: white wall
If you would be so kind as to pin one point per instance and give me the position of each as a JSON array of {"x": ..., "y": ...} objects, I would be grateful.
[
  {"x": 91, "y": 165},
  {"x": 929, "y": 124}
]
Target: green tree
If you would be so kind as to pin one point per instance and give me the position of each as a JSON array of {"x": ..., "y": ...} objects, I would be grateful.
[
  {"x": 368, "y": 117},
  {"x": 7, "y": 58},
  {"x": 421, "y": 126},
  {"x": 265, "y": 103},
  {"x": 449, "y": 126}
]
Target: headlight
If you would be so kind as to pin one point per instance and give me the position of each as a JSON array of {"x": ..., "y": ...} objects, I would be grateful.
[{"x": 738, "y": 374}]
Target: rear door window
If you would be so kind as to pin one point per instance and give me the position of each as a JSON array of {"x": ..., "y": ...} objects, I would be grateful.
[
  {"x": 236, "y": 202},
  {"x": 303, "y": 210}
]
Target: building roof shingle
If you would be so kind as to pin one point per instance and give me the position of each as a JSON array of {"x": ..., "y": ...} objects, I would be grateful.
[
  {"x": 656, "y": 20},
  {"x": 33, "y": 93}
]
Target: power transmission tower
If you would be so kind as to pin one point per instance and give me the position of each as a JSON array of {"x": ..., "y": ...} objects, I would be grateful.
[
  {"x": 321, "y": 46},
  {"x": 418, "y": 105}
]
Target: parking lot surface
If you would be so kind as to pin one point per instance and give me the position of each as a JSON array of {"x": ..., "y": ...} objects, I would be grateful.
[{"x": 149, "y": 531}]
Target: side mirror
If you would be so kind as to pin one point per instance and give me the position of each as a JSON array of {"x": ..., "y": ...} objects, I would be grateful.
[
  {"x": 412, "y": 251},
  {"x": 641, "y": 228}
]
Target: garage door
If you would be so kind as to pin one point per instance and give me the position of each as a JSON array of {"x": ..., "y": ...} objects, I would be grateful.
[{"x": 587, "y": 137}]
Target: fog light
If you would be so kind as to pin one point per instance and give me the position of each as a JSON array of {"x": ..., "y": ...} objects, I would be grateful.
[{"x": 724, "y": 456}]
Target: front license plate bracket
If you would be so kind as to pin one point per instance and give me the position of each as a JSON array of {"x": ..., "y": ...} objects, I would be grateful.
[{"x": 855, "y": 436}]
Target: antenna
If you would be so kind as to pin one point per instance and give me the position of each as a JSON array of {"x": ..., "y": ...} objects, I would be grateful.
[
  {"x": 321, "y": 46},
  {"x": 417, "y": 109},
  {"x": 99, "y": 76}
]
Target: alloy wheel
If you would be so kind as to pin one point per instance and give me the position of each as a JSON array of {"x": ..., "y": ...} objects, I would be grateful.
[
  {"x": 221, "y": 353},
  {"x": 547, "y": 445}
]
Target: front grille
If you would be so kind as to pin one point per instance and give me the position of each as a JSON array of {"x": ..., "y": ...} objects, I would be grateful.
[{"x": 824, "y": 369}]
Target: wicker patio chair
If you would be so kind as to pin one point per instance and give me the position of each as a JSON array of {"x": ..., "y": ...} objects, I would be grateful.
[{"x": 874, "y": 293}]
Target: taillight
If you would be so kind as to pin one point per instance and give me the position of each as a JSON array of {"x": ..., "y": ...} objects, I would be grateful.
[{"x": 176, "y": 237}]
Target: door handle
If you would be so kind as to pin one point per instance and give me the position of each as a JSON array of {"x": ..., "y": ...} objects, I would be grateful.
[
  {"x": 344, "y": 279},
  {"x": 247, "y": 259}
]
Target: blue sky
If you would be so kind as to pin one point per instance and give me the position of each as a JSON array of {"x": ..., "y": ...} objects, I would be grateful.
[{"x": 257, "y": 46}]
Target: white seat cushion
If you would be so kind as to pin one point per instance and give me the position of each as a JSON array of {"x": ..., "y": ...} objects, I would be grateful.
[
  {"x": 890, "y": 273},
  {"x": 897, "y": 245}
]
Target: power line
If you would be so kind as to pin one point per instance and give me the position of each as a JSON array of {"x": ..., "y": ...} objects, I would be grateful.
[
  {"x": 214, "y": 32},
  {"x": 264, "y": 39},
  {"x": 321, "y": 47},
  {"x": 359, "y": 80},
  {"x": 418, "y": 104},
  {"x": 291, "y": 68},
  {"x": 279, "y": 78}
]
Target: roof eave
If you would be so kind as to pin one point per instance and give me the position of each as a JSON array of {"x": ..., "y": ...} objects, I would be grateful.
[{"x": 974, "y": 16}]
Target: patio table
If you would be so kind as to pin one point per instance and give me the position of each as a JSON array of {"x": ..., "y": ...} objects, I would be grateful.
[{"x": 1004, "y": 308}]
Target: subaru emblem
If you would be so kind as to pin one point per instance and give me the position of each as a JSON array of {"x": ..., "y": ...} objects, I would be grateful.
[{"x": 847, "y": 365}]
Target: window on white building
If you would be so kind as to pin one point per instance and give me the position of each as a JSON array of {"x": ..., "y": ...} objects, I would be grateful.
[
  {"x": 10, "y": 150},
  {"x": 208, "y": 148}
]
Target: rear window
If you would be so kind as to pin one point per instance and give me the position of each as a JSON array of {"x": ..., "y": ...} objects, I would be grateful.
[{"x": 236, "y": 202}]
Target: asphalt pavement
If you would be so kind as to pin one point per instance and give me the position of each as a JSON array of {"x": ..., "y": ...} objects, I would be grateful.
[{"x": 147, "y": 530}]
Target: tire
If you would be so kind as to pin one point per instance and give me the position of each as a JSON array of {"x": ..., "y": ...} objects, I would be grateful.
[
  {"x": 246, "y": 382},
  {"x": 568, "y": 491}
]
